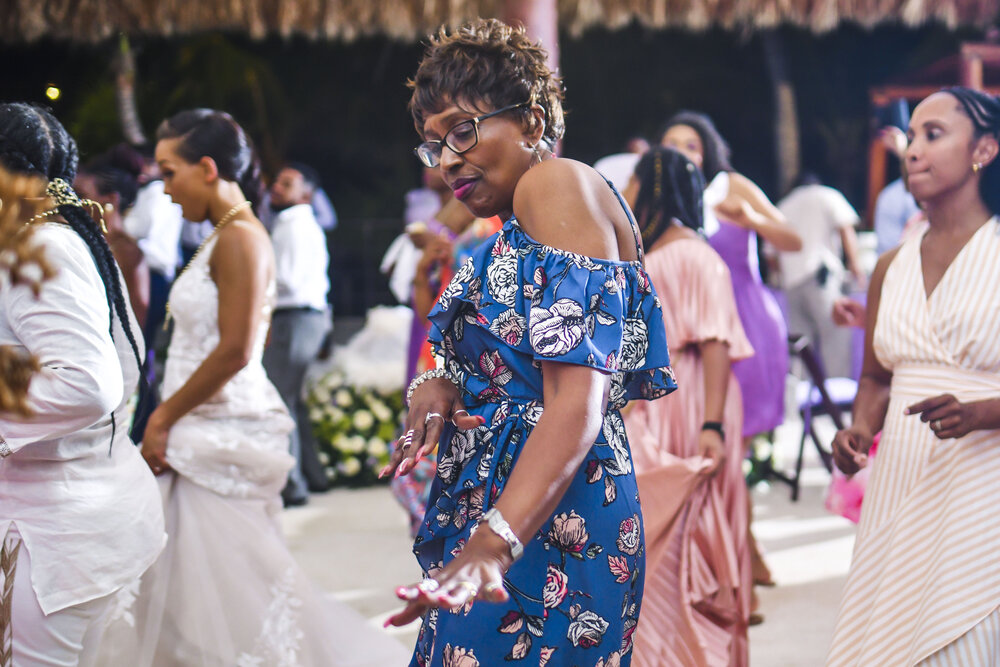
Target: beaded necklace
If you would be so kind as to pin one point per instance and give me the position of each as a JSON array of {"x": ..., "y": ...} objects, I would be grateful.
[{"x": 223, "y": 221}]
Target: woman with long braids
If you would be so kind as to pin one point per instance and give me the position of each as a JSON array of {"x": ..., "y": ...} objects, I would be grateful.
[
  {"x": 80, "y": 516},
  {"x": 736, "y": 212},
  {"x": 924, "y": 584},
  {"x": 688, "y": 449},
  {"x": 226, "y": 590}
]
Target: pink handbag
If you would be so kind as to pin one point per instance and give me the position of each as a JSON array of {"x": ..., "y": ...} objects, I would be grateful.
[{"x": 845, "y": 495}]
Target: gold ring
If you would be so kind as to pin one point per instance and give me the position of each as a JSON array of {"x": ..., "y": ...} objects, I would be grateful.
[
  {"x": 491, "y": 588},
  {"x": 471, "y": 587}
]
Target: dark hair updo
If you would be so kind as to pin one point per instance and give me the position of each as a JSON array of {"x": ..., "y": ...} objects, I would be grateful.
[
  {"x": 670, "y": 188},
  {"x": 487, "y": 61},
  {"x": 715, "y": 150},
  {"x": 214, "y": 134},
  {"x": 33, "y": 142},
  {"x": 984, "y": 111}
]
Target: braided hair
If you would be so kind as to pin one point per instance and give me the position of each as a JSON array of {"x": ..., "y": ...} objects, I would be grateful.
[
  {"x": 984, "y": 112},
  {"x": 670, "y": 188},
  {"x": 715, "y": 150},
  {"x": 33, "y": 142}
]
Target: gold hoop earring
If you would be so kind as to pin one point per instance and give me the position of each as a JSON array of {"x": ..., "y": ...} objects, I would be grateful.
[{"x": 976, "y": 167}]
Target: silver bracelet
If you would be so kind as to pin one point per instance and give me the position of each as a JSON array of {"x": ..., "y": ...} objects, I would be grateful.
[
  {"x": 428, "y": 375},
  {"x": 499, "y": 525}
]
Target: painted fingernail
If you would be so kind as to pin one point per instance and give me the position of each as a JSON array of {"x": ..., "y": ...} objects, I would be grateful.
[
  {"x": 481, "y": 419},
  {"x": 385, "y": 471}
]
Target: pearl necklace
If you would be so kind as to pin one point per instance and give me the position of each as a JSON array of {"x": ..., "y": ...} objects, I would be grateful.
[{"x": 223, "y": 221}]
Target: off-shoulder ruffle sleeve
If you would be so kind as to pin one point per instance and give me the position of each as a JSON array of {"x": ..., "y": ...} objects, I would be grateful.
[
  {"x": 554, "y": 305},
  {"x": 695, "y": 282}
]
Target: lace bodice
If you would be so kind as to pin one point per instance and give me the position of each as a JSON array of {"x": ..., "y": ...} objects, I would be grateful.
[
  {"x": 194, "y": 306},
  {"x": 236, "y": 442}
]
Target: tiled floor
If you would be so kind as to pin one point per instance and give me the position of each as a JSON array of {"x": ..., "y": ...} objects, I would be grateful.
[{"x": 354, "y": 543}]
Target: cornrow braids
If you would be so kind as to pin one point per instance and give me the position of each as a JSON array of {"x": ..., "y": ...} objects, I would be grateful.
[
  {"x": 671, "y": 188},
  {"x": 32, "y": 141},
  {"x": 984, "y": 112}
]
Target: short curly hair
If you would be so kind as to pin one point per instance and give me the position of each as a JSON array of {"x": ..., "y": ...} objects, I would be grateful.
[{"x": 491, "y": 62}]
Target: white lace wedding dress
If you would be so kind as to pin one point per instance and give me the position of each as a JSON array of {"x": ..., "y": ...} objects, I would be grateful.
[{"x": 226, "y": 592}]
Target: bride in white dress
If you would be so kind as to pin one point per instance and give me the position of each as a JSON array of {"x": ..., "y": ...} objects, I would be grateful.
[{"x": 227, "y": 592}]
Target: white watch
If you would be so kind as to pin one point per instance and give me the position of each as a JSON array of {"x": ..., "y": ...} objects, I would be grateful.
[{"x": 499, "y": 525}]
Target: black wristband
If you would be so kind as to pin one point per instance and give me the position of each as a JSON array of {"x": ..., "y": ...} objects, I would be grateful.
[{"x": 714, "y": 426}]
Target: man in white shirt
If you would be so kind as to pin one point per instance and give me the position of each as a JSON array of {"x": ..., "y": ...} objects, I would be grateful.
[
  {"x": 300, "y": 320},
  {"x": 814, "y": 277}
]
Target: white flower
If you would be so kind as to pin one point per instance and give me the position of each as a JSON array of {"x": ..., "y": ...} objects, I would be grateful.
[
  {"x": 635, "y": 342},
  {"x": 377, "y": 447},
  {"x": 349, "y": 466},
  {"x": 558, "y": 329},
  {"x": 614, "y": 433},
  {"x": 380, "y": 410},
  {"x": 316, "y": 413},
  {"x": 351, "y": 444},
  {"x": 363, "y": 420},
  {"x": 323, "y": 457},
  {"x": 321, "y": 394},
  {"x": 501, "y": 278},
  {"x": 343, "y": 398},
  {"x": 334, "y": 413}
]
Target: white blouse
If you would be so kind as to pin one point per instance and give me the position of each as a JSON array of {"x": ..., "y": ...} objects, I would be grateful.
[{"x": 88, "y": 510}]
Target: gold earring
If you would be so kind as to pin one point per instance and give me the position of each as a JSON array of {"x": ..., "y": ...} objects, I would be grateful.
[
  {"x": 976, "y": 167},
  {"x": 109, "y": 208}
]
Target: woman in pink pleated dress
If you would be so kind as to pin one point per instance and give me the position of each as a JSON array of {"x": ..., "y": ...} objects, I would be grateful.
[{"x": 688, "y": 448}]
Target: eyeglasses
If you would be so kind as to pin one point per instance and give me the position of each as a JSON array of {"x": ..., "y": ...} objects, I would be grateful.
[{"x": 461, "y": 138}]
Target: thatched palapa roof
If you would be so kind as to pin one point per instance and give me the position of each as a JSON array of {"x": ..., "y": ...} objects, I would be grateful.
[{"x": 95, "y": 20}]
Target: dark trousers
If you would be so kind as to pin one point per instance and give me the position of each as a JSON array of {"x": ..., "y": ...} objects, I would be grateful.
[{"x": 296, "y": 337}]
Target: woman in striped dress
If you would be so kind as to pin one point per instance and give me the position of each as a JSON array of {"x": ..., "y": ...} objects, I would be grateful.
[{"x": 924, "y": 585}]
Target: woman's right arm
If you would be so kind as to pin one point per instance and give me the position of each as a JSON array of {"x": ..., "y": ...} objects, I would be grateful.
[
  {"x": 66, "y": 330},
  {"x": 241, "y": 270},
  {"x": 851, "y": 445}
]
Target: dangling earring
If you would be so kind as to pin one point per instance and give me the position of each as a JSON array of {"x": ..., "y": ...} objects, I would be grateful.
[
  {"x": 976, "y": 167},
  {"x": 537, "y": 156}
]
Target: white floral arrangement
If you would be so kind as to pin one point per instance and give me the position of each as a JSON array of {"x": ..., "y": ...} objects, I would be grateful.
[{"x": 354, "y": 427}]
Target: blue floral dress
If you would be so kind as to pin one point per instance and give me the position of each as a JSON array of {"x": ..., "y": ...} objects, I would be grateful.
[{"x": 575, "y": 595}]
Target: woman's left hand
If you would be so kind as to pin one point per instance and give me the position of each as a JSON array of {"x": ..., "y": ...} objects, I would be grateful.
[
  {"x": 948, "y": 417},
  {"x": 739, "y": 211},
  {"x": 154, "y": 443},
  {"x": 476, "y": 574}
]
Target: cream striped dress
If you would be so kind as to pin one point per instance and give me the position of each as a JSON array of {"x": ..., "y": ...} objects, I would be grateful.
[{"x": 924, "y": 585}]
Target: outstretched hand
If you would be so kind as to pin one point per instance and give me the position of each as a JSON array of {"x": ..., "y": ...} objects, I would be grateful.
[
  {"x": 476, "y": 574},
  {"x": 433, "y": 403}
]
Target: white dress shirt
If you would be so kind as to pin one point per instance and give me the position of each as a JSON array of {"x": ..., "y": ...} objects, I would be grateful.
[
  {"x": 155, "y": 222},
  {"x": 88, "y": 510},
  {"x": 301, "y": 259}
]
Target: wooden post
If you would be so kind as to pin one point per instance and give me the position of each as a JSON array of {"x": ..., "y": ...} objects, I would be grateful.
[{"x": 540, "y": 19}]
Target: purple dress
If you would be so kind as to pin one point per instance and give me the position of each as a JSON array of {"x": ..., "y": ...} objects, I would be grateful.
[{"x": 762, "y": 376}]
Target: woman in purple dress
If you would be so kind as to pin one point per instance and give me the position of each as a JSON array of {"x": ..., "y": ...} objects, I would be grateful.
[{"x": 736, "y": 211}]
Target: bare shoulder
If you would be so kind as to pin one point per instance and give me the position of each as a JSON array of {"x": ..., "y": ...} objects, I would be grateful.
[
  {"x": 741, "y": 185},
  {"x": 242, "y": 244},
  {"x": 568, "y": 205},
  {"x": 884, "y": 260}
]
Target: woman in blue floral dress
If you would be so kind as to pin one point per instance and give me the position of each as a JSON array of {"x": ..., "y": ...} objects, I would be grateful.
[{"x": 545, "y": 333}]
